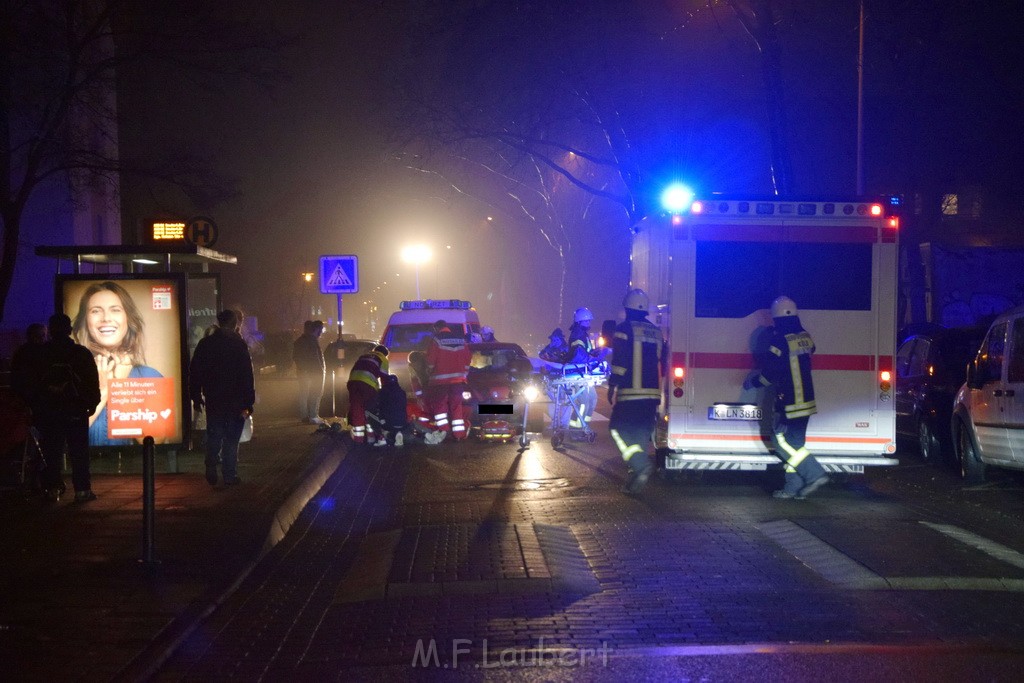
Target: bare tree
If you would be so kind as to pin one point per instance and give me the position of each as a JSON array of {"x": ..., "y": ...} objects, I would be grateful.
[{"x": 60, "y": 64}]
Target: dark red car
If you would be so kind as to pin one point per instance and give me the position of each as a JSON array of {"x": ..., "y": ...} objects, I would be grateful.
[{"x": 500, "y": 384}]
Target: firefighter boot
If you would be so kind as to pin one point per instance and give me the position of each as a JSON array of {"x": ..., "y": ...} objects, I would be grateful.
[{"x": 637, "y": 480}]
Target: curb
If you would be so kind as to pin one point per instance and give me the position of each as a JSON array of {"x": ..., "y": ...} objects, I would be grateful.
[{"x": 146, "y": 663}]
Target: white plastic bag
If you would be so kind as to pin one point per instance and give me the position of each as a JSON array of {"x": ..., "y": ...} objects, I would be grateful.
[{"x": 246, "y": 430}]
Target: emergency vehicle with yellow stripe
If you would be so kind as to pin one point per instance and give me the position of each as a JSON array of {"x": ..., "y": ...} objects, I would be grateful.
[{"x": 711, "y": 272}]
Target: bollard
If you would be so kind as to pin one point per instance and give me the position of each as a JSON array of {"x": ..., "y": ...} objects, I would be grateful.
[{"x": 148, "y": 499}]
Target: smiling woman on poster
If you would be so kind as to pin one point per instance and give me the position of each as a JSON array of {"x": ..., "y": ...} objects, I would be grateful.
[{"x": 111, "y": 326}]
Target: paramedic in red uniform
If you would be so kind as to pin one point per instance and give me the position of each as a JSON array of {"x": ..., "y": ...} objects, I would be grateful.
[
  {"x": 364, "y": 382},
  {"x": 634, "y": 388},
  {"x": 784, "y": 358},
  {"x": 448, "y": 360}
]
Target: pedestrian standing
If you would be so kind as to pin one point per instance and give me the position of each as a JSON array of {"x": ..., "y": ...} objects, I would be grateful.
[
  {"x": 311, "y": 371},
  {"x": 221, "y": 382},
  {"x": 67, "y": 393},
  {"x": 784, "y": 356},
  {"x": 26, "y": 363},
  {"x": 364, "y": 382},
  {"x": 634, "y": 388},
  {"x": 448, "y": 359}
]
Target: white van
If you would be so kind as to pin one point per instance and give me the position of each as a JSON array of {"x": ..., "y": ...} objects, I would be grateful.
[
  {"x": 412, "y": 325},
  {"x": 988, "y": 412}
]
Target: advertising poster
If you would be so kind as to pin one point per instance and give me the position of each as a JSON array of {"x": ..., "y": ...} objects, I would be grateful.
[
  {"x": 203, "y": 303},
  {"x": 134, "y": 325}
]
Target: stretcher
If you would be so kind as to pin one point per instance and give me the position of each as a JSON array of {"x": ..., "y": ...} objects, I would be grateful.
[{"x": 571, "y": 387}]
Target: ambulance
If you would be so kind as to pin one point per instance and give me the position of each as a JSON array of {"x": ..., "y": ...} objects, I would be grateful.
[
  {"x": 711, "y": 272},
  {"x": 412, "y": 325}
]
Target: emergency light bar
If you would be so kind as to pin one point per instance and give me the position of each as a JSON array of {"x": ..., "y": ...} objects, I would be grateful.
[
  {"x": 448, "y": 304},
  {"x": 771, "y": 208}
]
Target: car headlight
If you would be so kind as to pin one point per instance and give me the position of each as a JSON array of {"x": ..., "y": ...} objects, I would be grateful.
[
  {"x": 466, "y": 395},
  {"x": 530, "y": 393}
]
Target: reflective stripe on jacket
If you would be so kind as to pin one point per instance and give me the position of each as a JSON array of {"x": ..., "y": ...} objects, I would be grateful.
[
  {"x": 786, "y": 361},
  {"x": 448, "y": 358},
  {"x": 636, "y": 360},
  {"x": 370, "y": 368}
]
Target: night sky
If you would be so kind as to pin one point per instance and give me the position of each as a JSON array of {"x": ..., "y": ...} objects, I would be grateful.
[{"x": 330, "y": 158}]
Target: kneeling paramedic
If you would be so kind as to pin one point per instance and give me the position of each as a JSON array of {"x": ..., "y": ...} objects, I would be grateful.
[
  {"x": 634, "y": 388},
  {"x": 363, "y": 386}
]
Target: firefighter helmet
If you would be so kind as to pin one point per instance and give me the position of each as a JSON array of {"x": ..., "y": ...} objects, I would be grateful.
[
  {"x": 783, "y": 307},
  {"x": 381, "y": 349},
  {"x": 636, "y": 300},
  {"x": 582, "y": 315}
]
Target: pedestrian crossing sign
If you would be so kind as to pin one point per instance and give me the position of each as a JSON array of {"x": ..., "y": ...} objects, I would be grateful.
[{"x": 339, "y": 274}]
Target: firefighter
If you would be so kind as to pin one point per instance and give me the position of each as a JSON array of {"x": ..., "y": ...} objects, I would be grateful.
[
  {"x": 448, "y": 360},
  {"x": 582, "y": 352},
  {"x": 784, "y": 359},
  {"x": 364, "y": 382},
  {"x": 634, "y": 388},
  {"x": 487, "y": 334}
]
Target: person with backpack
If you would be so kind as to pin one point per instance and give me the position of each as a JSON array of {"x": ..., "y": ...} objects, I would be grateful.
[{"x": 68, "y": 391}]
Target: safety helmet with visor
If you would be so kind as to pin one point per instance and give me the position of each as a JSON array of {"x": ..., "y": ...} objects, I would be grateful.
[
  {"x": 636, "y": 300},
  {"x": 783, "y": 307},
  {"x": 582, "y": 315}
]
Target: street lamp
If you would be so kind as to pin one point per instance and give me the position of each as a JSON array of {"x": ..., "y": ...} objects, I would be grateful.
[
  {"x": 307, "y": 297},
  {"x": 417, "y": 255}
]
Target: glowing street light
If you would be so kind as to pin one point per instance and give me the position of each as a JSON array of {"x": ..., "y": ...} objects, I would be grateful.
[{"x": 417, "y": 255}]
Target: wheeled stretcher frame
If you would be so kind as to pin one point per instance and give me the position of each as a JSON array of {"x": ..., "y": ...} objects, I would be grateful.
[{"x": 567, "y": 390}]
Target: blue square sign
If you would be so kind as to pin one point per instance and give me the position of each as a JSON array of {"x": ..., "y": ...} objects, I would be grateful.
[{"x": 339, "y": 274}]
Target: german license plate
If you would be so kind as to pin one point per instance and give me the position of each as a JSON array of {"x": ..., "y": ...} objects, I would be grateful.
[{"x": 734, "y": 411}]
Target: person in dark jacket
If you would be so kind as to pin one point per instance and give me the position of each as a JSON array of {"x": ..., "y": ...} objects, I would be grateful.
[
  {"x": 634, "y": 388},
  {"x": 784, "y": 355},
  {"x": 557, "y": 349},
  {"x": 311, "y": 369},
  {"x": 26, "y": 363},
  {"x": 221, "y": 382},
  {"x": 392, "y": 412},
  {"x": 67, "y": 393}
]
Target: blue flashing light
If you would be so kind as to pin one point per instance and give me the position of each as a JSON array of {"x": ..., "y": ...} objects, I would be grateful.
[{"x": 676, "y": 198}]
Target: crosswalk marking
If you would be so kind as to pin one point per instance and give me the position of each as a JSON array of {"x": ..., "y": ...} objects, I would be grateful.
[
  {"x": 991, "y": 548},
  {"x": 842, "y": 570}
]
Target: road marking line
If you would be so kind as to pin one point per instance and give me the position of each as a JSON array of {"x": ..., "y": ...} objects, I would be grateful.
[
  {"x": 991, "y": 548},
  {"x": 808, "y": 648},
  {"x": 845, "y": 572},
  {"x": 820, "y": 557}
]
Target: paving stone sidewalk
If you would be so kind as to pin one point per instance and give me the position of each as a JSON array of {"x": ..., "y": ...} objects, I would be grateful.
[{"x": 78, "y": 604}]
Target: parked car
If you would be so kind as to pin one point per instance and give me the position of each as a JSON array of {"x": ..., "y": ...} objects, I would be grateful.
[
  {"x": 930, "y": 367},
  {"x": 988, "y": 413},
  {"x": 495, "y": 397}
]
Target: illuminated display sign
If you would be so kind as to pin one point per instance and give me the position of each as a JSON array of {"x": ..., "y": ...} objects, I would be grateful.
[
  {"x": 135, "y": 328},
  {"x": 168, "y": 231}
]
